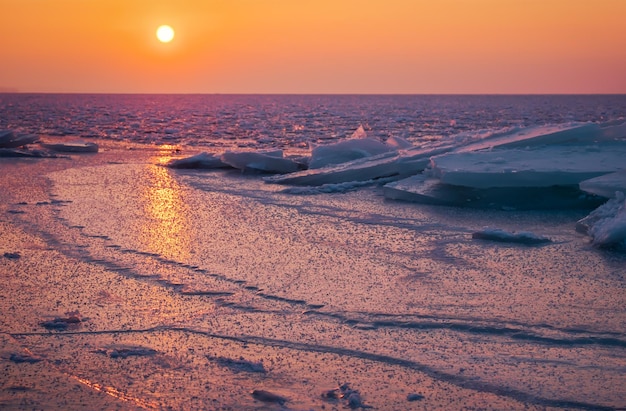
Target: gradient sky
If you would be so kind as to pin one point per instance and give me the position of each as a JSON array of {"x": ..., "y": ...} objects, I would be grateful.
[{"x": 314, "y": 46}]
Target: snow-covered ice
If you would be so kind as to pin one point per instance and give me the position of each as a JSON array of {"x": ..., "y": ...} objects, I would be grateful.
[
  {"x": 346, "y": 150},
  {"x": 399, "y": 164},
  {"x": 265, "y": 162},
  {"x": 202, "y": 160},
  {"x": 541, "y": 167},
  {"x": 606, "y": 225}
]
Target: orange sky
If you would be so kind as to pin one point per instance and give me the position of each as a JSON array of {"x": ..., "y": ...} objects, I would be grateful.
[{"x": 314, "y": 46}]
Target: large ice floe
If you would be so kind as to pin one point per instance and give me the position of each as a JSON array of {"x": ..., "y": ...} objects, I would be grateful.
[{"x": 533, "y": 167}]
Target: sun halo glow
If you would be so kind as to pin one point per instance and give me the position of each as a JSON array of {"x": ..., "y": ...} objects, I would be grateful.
[{"x": 165, "y": 33}]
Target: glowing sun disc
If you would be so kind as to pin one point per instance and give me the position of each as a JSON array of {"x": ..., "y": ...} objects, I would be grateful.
[{"x": 165, "y": 34}]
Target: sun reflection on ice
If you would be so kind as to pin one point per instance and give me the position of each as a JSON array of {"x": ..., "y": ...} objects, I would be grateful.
[{"x": 167, "y": 227}]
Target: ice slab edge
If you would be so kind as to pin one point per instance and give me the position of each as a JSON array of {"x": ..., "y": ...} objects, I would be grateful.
[{"x": 425, "y": 190}]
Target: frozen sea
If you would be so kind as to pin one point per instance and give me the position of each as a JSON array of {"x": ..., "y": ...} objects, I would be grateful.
[{"x": 215, "y": 284}]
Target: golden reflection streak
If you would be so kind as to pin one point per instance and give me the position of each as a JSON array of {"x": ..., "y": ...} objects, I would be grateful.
[
  {"x": 115, "y": 393},
  {"x": 167, "y": 227}
]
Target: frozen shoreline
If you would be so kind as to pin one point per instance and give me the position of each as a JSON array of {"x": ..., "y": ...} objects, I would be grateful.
[{"x": 394, "y": 299}]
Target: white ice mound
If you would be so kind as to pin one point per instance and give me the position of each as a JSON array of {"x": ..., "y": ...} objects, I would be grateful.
[
  {"x": 201, "y": 161},
  {"x": 522, "y": 237},
  {"x": 263, "y": 162},
  {"x": 606, "y": 185},
  {"x": 540, "y": 167},
  {"x": 389, "y": 164},
  {"x": 398, "y": 143},
  {"x": 607, "y": 224},
  {"x": 346, "y": 150}
]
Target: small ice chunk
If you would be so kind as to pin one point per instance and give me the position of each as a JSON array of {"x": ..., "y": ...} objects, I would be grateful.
[
  {"x": 264, "y": 162},
  {"x": 72, "y": 147},
  {"x": 9, "y": 140},
  {"x": 239, "y": 365},
  {"x": 522, "y": 237},
  {"x": 24, "y": 358},
  {"x": 202, "y": 161},
  {"x": 269, "y": 397},
  {"x": 359, "y": 132}
]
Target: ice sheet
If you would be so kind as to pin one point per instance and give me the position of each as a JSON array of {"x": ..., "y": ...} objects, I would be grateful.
[{"x": 399, "y": 164}]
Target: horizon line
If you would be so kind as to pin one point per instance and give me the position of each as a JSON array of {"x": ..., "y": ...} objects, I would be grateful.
[{"x": 309, "y": 94}]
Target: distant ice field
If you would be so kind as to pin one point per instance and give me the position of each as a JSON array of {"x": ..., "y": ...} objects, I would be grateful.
[{"x": 291, "y": 121}]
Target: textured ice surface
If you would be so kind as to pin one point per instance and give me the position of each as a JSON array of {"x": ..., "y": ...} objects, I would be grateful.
[
  {"x": 329, "y": 289},
  {"x": 576, "y": 133},
  {"x": 606, "y": 185}
]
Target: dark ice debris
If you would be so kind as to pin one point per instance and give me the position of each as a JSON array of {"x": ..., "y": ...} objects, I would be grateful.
[
  {"x": 14, "y": 152},
  {"x": 9, "y": 140},
  {"x": 131, "y": 352},
  {"x": 125, "y": 352},
  {"x": 62, "y": 323},
  {"x": 19, "y": 388},
  {"x": 12, "y": 256},
  {"x": 521, "y": 237},
  {"x": 20, "y": 358},
  {"x": 267, "y": 396},
  {"x": 351, "y": 398},
  {"x": 239, "y": 365},
  {"x": 414, "y": 397}
]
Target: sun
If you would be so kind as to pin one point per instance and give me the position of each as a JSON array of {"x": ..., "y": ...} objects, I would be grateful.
[{"x": 165, "y": 33}]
